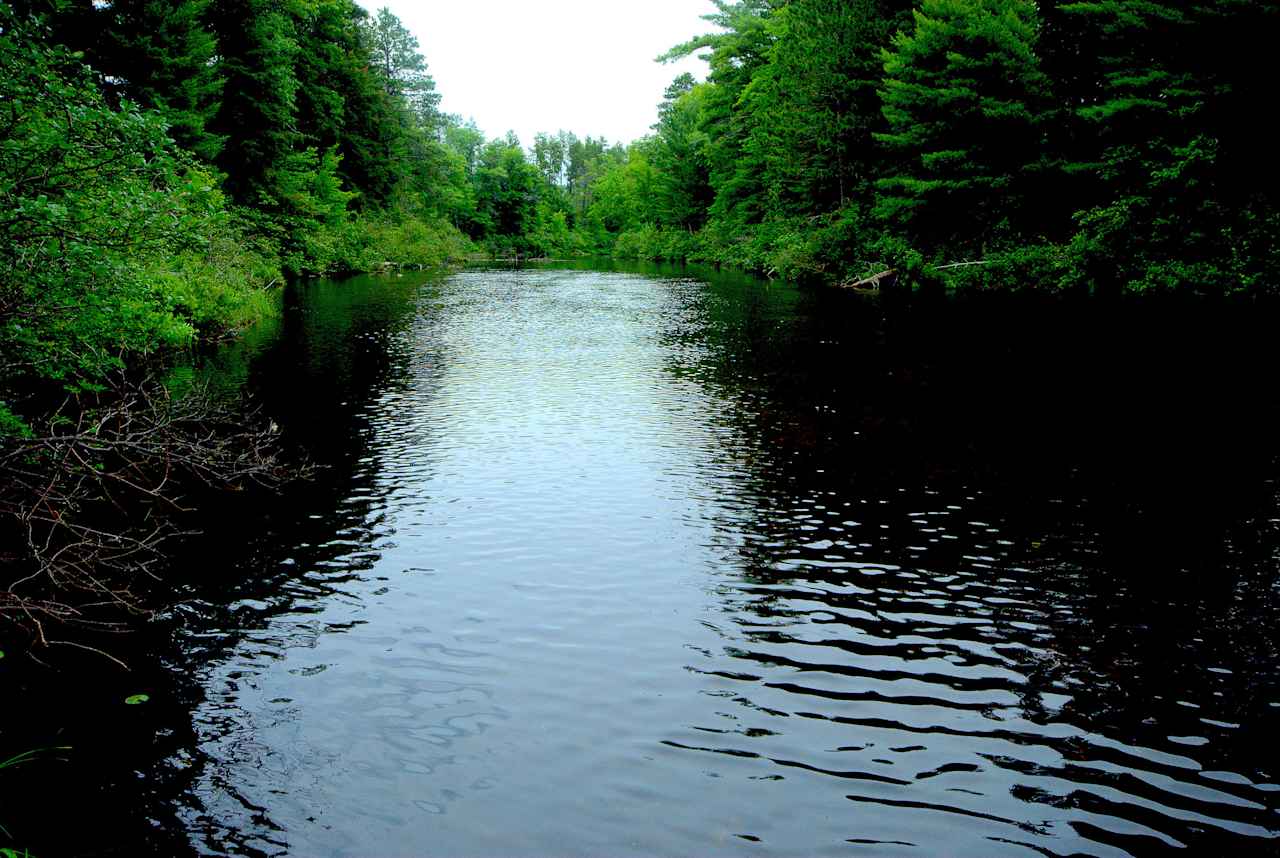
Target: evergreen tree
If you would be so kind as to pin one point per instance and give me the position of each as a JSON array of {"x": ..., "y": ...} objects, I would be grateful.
[
  {"x": 342, "y": 104},
  {"x": 402, "y": 68},
  {"x": 1186, "y": 196},
  {"x": 258, "y": 47},
  {"x": 683, "y": 188},
  {"x": 160, "y": 54},
  {"x": 736, "y": 53},
  {"x": 813, "y": 106},
  {"x": 963, "y": 95}
]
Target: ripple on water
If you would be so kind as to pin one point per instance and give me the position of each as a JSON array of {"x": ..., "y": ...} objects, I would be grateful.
[{"x": 600, "y": 582}]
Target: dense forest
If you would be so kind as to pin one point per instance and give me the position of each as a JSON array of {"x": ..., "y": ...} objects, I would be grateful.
[
  {"x": 166, "y": 164},
  {"x": 1100, "y": 145}
]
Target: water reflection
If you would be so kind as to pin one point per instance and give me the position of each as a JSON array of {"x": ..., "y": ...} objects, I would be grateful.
[
  {"x": 640, "y": 562},
  {"x": 644, "y": 566},
  {"x": 968, "y": 657}
]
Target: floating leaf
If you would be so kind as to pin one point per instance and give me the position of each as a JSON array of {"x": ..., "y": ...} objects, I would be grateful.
[{"x": 135, "y": 699}]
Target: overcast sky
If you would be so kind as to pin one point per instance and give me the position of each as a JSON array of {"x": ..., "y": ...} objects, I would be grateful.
[{"x": 582, "y": 65}]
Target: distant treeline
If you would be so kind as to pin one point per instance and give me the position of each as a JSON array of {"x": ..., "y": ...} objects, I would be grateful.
[
  {"x": 1114, "y": 145},
  {"x": 163, "y": 160}
]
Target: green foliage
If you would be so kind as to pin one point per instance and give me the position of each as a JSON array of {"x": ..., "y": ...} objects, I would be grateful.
[
  {"x": 963, "y": 93},
  {"x": 342, "y": 103},
  {"x": 507, "y": 190},
  {"x": 735, "y": 54},
  {"x": 658, "y": 243},
  {"x": 406, "y": 241},
  {"x": 160, "y": 54},
  {"x": 11, "y": 425},
  {"x": 626, "y": 196},
  {"x": 813, "y": 107},
  {"x": 1114, "y": 141},
  {"x": 401, "y": 68},
  {"x": 1185, "y": 195},
  {"x": 972, "y": 143},
  {"x": 104, "y": 216},
  {"x": 682, "y": 185},
  {"x": 258, "y": 46},
  {"x": 29, "y": 756}
]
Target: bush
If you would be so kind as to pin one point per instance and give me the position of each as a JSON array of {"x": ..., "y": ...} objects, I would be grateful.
[{"x": 115, "y": 244}]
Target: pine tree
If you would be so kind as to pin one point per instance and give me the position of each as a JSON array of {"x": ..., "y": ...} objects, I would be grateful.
[
  {"x": 813, "y": 107},
  {"x": 963, "y": 95},
  {"x": 402, "y": 68},
  {"x": 258, "y": 47},
  {"x": 683, "y": 188},
  {"x": 160, "y": 54},
  {"x": 1186, "y": 192},
  {"x": 342, "y": 104},
  {"x": 736, "y": 53}
]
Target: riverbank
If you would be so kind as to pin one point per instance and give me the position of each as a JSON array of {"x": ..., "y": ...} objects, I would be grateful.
[
  {"x": 832, "y": 251},
  {"x": 104, "y": 458}
]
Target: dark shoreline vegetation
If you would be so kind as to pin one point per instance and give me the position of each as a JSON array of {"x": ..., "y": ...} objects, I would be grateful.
[{"x": 167, "y": 165}]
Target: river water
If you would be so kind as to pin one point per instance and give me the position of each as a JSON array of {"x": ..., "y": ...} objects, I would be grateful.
[{"x": 652, "y": 562}]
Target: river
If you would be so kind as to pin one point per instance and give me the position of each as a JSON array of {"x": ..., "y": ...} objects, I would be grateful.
[{"x": 641, "y": 561}]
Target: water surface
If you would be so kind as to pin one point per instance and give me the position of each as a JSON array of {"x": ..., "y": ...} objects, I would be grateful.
[{"x": 609, "y": 562}]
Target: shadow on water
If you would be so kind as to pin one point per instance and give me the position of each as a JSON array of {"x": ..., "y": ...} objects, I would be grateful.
[
  {"x": 1055, "y": 518},
  {"x": 660, "y": 560}
]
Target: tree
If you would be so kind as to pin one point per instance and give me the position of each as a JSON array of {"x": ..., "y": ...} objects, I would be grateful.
[
  {"x": 161, "y": 55},
  {"x": 108, "y": 233},
  {"x": 737, "y": 51},
  {"x": 683, "y": 187},
  {"x": 1186, "y": 193},
  {"x": 963, "y": 96},
  {"x": 551, "y": 154},
  {"x": 625, "y": 195},
  {"x": 402, "y": 68},
  {"x": 341, "y": 103},
  {"x": 585, "y": 165},
  {"x": 506, "y": 191},
  {"x": 811, "y": 110},
  {"x": 258, "y": 47}
]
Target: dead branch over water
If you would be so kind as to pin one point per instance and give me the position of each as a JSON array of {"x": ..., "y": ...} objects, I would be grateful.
[{"x": 89, "y": 503}]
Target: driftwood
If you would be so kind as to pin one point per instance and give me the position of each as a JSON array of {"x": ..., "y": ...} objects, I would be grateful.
[
  {"x": 873, "y": 281},
  {"x": 889, "y": 275}
]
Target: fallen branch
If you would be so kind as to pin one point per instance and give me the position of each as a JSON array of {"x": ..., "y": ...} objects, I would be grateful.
[
  {"x": 958, "y": 264},
  {"x": 90, "y": 502},
  {"x": 873, "y": 281}
]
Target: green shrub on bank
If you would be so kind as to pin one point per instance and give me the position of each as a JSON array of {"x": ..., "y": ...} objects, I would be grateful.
[
  {"x": 408, "y": 241},
  {"x": 658, "y": 244},
  {"x": 370, "y": 242},
  {"x": 115, "y": 243}
]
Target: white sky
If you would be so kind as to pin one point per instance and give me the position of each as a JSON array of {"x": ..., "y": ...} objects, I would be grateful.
[{"x": 541, "y": 65}]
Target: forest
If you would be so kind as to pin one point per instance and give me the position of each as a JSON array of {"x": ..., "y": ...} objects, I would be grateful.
[
  {"x": 165, "y": 165},
  {"x": 1103, "y": 146}
]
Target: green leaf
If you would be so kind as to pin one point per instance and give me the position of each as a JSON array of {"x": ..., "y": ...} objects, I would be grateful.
[{"x": 135, "y": 699}]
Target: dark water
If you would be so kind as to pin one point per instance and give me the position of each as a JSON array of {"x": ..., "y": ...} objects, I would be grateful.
[{"x": 649, "y": 563}]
